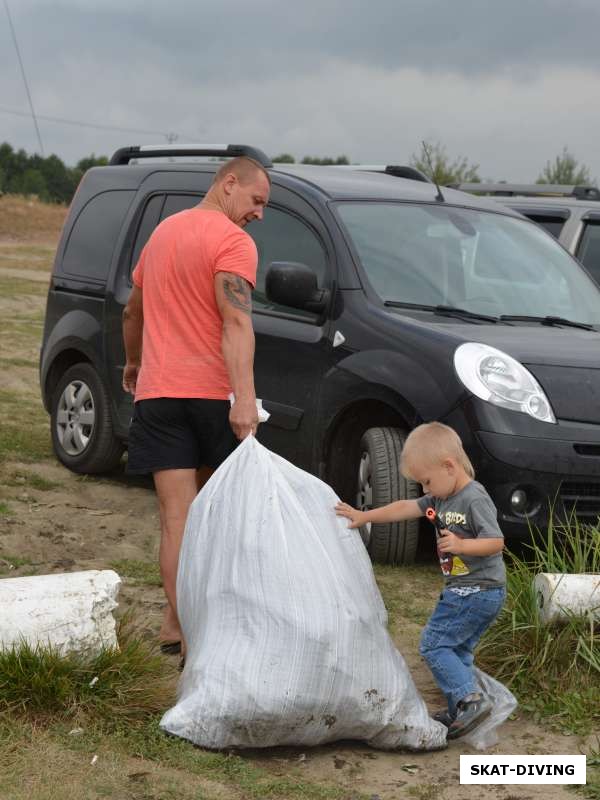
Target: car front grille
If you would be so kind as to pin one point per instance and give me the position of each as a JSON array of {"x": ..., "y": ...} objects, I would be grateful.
[{"x": 582, "y": 499}]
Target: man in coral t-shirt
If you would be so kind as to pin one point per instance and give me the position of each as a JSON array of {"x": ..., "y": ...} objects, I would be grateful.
[{"x": 189, "y": 343}]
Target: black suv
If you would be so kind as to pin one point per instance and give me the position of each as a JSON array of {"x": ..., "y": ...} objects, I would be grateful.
[{"x": 381, "y": 302}]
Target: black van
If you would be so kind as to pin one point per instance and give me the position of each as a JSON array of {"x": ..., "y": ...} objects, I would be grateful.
[{"x": 382, "y": 302}]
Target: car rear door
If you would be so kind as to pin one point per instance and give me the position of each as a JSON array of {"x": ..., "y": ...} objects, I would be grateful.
[{"x": 160, "y": 195}]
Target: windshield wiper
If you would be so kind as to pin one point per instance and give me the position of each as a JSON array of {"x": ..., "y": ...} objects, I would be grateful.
[
  {"x": 547, "y": 321},
  {"x": 444, "y": 311}
]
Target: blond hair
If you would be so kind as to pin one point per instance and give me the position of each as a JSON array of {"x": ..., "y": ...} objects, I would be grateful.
[
  {"x": 243, "y": 167},
  {"x": 430, "y": 444}
]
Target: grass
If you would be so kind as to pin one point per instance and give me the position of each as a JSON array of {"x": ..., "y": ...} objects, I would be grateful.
[
  {"x": 591, "y": 789},
  {"x": 144, "y": 572},
  {"x": 18, "y": 362},
  {"x": 17, "y": 255},
  {"x": 411, "y": 599},
  {"x": 29, "y": 220},
  {"x": 554, "y": 669},
  {"x": 30, "y": 479},
  {"x": 13, "y": 285},
  {"x": 41, "y": 684},
  {"x": 25, "y": 429},
  {"x": 9, "y": 563},
  {"x": 55, "y": 716},
  {"x": 4, "y": 508}
]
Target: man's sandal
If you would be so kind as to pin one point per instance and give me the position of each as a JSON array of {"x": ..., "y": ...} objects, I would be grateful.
[{"x": 170, "y": 648}]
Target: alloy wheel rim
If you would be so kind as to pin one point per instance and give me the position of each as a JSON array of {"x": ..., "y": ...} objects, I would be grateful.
[
  {"x": 75, "y": 418},
  {"x": 364, "y": 495}
]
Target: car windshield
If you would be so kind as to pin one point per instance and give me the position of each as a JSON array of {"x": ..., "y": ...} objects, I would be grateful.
[{"x": 484, "y": 263}]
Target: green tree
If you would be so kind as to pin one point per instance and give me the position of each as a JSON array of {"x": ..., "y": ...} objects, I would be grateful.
[
  {"x": 91, "y": 161},
  {"x": 284, "y": 158},
  {"x": 58, "y": 180},
  {"x": 33, "y": 182},
  {"x": 327, "y": 161},
  {"x": 565, "y": 169},
  {"x": 444, "y": 171}
]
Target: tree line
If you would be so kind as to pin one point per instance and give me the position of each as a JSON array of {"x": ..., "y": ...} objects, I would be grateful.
[
  {"x": 48, "y": 178},
  {"x": 433, "y": 160},
  {"x": 53, "y": 181}
]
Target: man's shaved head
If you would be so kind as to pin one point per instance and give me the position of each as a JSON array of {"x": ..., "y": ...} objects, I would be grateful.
[{"x": 244, "y": 169}]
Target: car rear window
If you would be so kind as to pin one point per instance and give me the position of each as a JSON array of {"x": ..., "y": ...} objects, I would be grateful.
[{"x": 89, "y": 248}]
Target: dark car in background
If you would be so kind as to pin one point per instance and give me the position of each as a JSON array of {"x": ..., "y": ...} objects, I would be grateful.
[{"x": 381, "y": 302}]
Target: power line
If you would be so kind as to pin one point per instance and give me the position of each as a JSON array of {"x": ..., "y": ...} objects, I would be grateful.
[
  {"x": 82, "y": 124},
  {"x": 14, "y": 36}
]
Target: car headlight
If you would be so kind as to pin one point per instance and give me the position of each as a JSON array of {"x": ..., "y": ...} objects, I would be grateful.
[{"x": 501, "y": 379}]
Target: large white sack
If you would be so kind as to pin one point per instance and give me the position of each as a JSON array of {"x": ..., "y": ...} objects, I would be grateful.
[
  {"x": 284, "y": 624},
  {"x": 69, "y": 611}
]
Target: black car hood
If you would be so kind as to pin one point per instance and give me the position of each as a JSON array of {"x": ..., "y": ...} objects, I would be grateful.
[
  {"x": 565, "y": 361},
  {"x": 531, "y": 344}
]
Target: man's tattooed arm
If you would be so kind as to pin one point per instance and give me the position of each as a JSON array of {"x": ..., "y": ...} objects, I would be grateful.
[{"x": 238, "y": 293}]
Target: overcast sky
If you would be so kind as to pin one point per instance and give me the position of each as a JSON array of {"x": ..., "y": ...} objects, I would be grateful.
[{"x": 506, "y": 83}]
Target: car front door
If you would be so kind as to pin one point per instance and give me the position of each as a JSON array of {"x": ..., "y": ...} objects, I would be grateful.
[{"x": 293, "y": 347}]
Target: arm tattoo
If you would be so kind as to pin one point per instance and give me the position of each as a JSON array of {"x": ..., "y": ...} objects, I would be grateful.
[{"x": 237, "y": 291}]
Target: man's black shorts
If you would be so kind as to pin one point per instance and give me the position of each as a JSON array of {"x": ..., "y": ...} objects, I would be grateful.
[{"x": 173, "y": 433}]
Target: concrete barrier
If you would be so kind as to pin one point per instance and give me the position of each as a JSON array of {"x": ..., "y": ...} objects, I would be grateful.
[
  {"x": 70, "y": 611},
  {"x": 561, "y": 595}
]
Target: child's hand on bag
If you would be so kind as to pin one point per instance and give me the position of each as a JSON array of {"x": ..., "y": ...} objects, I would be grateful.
[{"x": 355, "y": 516}]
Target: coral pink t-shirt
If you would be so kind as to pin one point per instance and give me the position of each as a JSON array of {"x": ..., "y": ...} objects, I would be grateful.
[{"x": 181, "y": 349}]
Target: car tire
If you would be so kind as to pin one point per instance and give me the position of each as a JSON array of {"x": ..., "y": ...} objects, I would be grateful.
[
  {"x": 82, "y": 430},
  {"x": 380, "y": 483}
]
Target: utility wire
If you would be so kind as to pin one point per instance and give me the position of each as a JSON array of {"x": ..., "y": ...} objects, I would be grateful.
[
  {"x": 82, "y": 124},
  {"x": 14, "y": 36}
]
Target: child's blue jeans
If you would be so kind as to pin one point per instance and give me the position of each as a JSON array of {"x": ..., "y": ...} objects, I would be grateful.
[{"x": 450, "y": 636}]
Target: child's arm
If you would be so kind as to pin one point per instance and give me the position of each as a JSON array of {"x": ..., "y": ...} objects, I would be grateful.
[
  {"x": 450, "y": 543},
  {"x": 394, "y": 512},
  {"x": 483, "y": 521}
]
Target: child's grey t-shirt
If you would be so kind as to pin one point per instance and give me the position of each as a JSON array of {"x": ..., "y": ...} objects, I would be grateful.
[{"x": 469, "y": 514}]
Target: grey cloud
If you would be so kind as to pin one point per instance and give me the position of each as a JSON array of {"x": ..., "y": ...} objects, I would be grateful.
[{"x": 232, "y": 39}]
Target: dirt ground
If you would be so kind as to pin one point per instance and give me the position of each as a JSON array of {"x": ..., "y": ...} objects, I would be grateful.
[{"x": 55, "y": 521}]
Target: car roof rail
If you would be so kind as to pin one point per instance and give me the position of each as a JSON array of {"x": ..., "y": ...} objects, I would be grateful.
[
  {"x": 124, "y": 154},
  {"x": 398, "y": 170},
  {"x": 580, "y": 192}
]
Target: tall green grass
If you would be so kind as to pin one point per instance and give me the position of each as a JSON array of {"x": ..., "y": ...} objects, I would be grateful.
[
  {"x": 554, "y": 669},
  {"x": 128, "y": 684}
]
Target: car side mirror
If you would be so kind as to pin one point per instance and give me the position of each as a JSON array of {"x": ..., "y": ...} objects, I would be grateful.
[{"x": 288, "y": 283}]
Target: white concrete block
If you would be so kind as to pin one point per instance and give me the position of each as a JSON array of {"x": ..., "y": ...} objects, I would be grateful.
[
  {"x": 71, "y": 611},
  {"x": 559, "y": 595}
]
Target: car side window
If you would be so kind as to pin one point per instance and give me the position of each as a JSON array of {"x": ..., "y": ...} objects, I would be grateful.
[
  {"x": 553, "y": 225},
  {"x": 157, "y": 208},
  {"x": 179, "y": 202},
  {"x": 588, "y": 251},
  {"x": 89, "y": 248},
  {"x": 148, "y": 222},
  {"x": 282, "y": 236}
]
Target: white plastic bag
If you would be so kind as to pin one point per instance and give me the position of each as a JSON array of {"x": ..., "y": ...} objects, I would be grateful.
[
  {"x": 503, "y": 702},
  {"x": 284, "y": 624}
]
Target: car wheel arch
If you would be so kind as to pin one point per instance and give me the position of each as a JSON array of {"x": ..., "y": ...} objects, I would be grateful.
[{"x": 344, "y": 432}]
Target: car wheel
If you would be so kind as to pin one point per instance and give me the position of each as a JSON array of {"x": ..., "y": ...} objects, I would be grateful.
[
  {"x": 81, "y": 423},
  {"x": 379, "y": 483}
]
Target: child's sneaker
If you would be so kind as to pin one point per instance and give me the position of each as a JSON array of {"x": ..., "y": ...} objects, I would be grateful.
[
  {"x": 444, "y": 716},
  {"x": 469, "y": 714}
]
